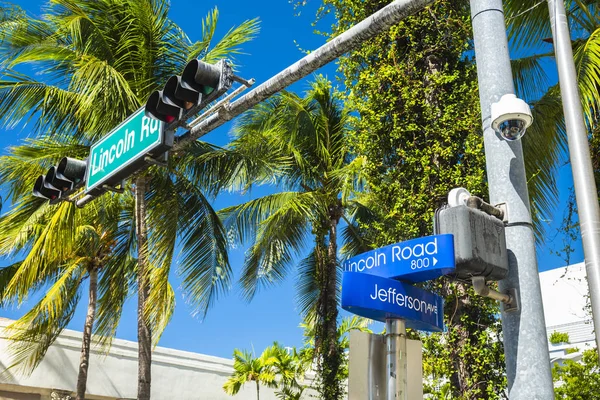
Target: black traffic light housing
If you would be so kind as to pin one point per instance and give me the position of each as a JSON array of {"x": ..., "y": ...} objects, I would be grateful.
[
  {"x": 185, "y": 95},
  {"x": 46, "y": 191},
  {"x": 61, "y": 180},
  {"x": 202, "y": 77}
]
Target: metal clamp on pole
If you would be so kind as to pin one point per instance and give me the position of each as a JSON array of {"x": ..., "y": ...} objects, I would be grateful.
[
  {"x": 223, "y": 102},
  {"x": 510, "y": 300},
  {"x": 154, "y": 161}
]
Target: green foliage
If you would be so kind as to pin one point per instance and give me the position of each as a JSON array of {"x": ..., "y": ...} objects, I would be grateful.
[
  {"x": 348, "y": 325},
  {"x": 572, "y": 350},
  {"x": 578, "y": 380},
  {"x": 545, "y": 144},
  {"x": 559, "y": 337},
  {"x": 247, "y": 368},
  {"x": 286, "y": 368},
  {"x": 59, "y": 247},
  {"x": 471, "y": 343},
  {"x": 418, "y": 135}
]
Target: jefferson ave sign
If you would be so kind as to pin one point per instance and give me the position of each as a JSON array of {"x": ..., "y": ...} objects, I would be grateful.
[
  {"x": 379, "y": 298},
  {"x": 121, "y": 152}
]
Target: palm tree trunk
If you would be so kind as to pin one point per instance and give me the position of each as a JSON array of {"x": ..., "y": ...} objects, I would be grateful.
[
  {"x": 257, "y": 391},
  {"x": 331, "y": 354},
  {"x": 84, "y": 361},
  {"x": 144, "y": 332}
]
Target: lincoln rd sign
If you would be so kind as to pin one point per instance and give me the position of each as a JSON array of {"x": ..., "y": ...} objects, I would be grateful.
[{"x": 122, "y": 151}]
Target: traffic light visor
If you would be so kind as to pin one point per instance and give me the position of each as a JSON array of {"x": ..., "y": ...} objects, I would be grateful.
[
  {"x": 152, "y": 111},
  {"x": 72, "y": 170},
  {"x": 179, "y": 94},
  {"x": 201, "y": 76},
  {"x": 57, "y": 180},
  {"x": 44, "y": 190}
]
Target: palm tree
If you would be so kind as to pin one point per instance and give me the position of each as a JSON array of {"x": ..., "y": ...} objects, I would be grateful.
[
  {"x": 63, "y": 246},
  {"x": 99, "y": 61},
  {"x": 300, "y": 145},
  {"x": 348, "y": 325},
  {"x": 545, "y": 142},
  {"x": 247, "y": 368},
  {"x": 288, "y": 368}
]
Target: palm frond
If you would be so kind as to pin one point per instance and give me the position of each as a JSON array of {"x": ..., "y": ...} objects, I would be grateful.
[
  {"x": 528, "y": 22},
  {"x": 529, "y": 76},
  {"x": 278, "y": 238},
  {"x": 542, "y": 148},
  {"x": 117, "y": 282},
  {"x": 31, "y": 335},
  {"x": 245, "y": 218},
  {"x": 307, "y": 286},
  {"x": 52, "y": 247},
  {"x": 161, "y": 302},
  {"x": 229, "y": 45},
  {"x": 586, "y": 54}
]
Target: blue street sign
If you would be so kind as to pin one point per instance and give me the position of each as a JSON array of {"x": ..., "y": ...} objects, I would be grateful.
[
  {"x": 416, "y": 260},
  {"x": 379, "y": 298}
]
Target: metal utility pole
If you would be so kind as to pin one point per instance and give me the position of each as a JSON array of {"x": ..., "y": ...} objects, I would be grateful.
[
  {"x": 586, "y": 192},
  {"x": 524, "y": 330}
]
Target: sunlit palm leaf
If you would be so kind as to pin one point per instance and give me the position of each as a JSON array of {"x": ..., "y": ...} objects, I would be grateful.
[
  {"x": 32, "y": 334},
  {"x": 529, "y": 76}
]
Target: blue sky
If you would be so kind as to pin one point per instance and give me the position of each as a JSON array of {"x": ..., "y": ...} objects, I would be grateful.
[{"x": 232, "y": 322}]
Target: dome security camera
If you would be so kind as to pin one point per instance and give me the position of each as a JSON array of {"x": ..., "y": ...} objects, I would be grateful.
[{"x": 511, "y": 116}]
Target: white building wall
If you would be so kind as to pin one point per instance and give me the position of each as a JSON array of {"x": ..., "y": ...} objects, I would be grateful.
[
  {"x": 565, "y": 297},
  {"x": 175, "y": 374}
]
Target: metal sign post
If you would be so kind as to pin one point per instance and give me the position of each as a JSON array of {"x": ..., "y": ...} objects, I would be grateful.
[{"x": 396, "y": 357}]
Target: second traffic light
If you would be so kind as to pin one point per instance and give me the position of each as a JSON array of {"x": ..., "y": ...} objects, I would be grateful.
[
  {"x": 61, "y": 180},
  {"x": 182, "y": 96}
]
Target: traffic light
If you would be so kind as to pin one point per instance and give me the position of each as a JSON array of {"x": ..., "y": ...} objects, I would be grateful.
[
  {"x": 44, "y": 190},
  {"x": 61, "y": 180},
  {"x": 182, "y": 96},
  {"x": 72, "y": 170}
]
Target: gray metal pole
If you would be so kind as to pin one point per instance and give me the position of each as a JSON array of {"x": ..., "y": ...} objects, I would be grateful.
[
  {"x": 396, "y": 361},
  {"x": 586, "y": 192},
  {"x": 347, "y": 41},
  {"x": 524, "y": 331}
]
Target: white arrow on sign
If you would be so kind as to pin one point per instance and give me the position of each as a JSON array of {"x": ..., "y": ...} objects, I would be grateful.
[{"x": 434, "y": 261}]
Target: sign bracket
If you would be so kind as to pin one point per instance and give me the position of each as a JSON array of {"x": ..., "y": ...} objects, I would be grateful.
[{"x": 120, "y": 189}]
